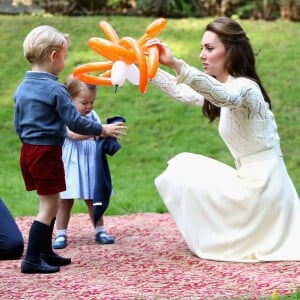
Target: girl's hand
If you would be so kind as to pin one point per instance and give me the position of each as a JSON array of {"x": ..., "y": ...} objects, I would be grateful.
[{"x": 115, "y": 130}]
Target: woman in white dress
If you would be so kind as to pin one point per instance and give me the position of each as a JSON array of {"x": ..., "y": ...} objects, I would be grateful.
[
  {"x": 79, "y": 153},
  {"x": 250, "y": 213}
]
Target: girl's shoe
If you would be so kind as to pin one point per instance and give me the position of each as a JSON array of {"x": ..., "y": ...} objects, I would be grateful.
[
  {"x": 103, "y": 238},
  {"x": 60, "y": 242}
]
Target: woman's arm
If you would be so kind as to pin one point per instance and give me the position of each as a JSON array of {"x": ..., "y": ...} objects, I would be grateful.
[
  {"x": 179, "y": 92},
  {"x": 220, "y": 94},
  {"x": 217, "y": 93}
]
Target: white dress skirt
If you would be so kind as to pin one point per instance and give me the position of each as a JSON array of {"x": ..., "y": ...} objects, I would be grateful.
[{"x": 231, "y": 214}]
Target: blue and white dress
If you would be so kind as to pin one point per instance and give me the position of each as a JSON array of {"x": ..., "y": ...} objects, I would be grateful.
[{"x": 79, "y": 163}]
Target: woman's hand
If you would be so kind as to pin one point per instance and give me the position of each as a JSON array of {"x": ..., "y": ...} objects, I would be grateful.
[
  {"x": 115, "y": 130},
  {"x": 165, "y": 55}
]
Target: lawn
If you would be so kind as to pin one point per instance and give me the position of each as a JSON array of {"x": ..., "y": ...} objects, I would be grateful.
[{"x": 159, "y": 128}]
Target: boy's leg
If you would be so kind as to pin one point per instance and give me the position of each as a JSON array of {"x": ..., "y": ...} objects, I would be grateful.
[
  {"x": 32, "y": 262},
  {"x": 48, "y": 182},
  {"x": 62, "y": 222},
  {"x": 47, "y": 212},
  {"x": 47, "y": 253}
]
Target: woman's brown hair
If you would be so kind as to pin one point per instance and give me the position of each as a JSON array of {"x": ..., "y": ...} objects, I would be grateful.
[{"x": 240, "y": 58}]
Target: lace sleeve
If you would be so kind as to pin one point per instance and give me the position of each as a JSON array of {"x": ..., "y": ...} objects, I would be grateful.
[
  {"x": 179, "y": 92},
  {"x": 217, "y": 93}
]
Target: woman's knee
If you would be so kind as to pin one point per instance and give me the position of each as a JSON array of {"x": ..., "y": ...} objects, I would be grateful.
[{"x": 13, "y": 248}]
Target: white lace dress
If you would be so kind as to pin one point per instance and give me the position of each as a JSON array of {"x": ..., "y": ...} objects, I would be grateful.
[{"x": 250, "y": 213}]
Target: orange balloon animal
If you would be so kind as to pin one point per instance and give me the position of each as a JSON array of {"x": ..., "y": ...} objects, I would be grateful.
[{"x": 125, "y": 49}]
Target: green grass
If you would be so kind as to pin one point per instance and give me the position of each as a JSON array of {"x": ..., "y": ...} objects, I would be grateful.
[{"x": 158, "y": 127}]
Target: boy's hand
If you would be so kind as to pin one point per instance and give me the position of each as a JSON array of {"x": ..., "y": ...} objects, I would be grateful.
[{"x": 115, "y": 130}]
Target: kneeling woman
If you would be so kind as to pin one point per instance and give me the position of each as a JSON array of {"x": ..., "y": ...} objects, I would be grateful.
[
  {"x": 249, "y": 213},
  {"x": 11, "y": 239}
]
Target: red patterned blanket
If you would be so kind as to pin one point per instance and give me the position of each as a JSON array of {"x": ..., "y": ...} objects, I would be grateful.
[{"x": 150, "y": 260}]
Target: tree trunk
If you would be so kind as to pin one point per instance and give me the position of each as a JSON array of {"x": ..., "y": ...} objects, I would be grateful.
[{"x": 290, "y": 10}]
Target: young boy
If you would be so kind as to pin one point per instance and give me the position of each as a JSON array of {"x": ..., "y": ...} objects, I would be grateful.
[{"x": 43, "y": 109}]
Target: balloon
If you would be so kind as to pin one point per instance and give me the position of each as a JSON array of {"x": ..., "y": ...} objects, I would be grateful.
[
  {"x": 127, "y": 58},
  {"x": 110, "y": 50},
  {"x": 153, "y": 61},
  {"x": 153, "y": 30},
  {"x": 90, "y": 79},
  {"x": 141, "y": 61},
  {"x": 109, "y": 31},
  {"x": 92, "y": 67},
  {"x": 118, "y": 73},
  {"x": 156, "y": 27},
  {"x": 133, "y": 74},
  {"x": 79, "y": 73},
  {"x": 106, "y": 74}
]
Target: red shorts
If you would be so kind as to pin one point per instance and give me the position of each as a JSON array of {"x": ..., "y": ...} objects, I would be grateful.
[{"x": 43, "y": 169}]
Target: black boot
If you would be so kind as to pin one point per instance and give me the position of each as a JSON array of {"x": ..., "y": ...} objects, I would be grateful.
[
  {"x": 38, "y": 267},
  {"x": 47, "y": 253},
  {"x": 32, "y": 263}
]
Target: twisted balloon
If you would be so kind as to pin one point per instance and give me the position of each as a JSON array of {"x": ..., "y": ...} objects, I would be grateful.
[{"x": 127, "y": 58}]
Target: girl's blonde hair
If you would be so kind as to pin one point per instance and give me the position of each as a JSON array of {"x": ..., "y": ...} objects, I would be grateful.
[
  {"x": 42, "y": 41},
  {"x": 74, "y": 86}
]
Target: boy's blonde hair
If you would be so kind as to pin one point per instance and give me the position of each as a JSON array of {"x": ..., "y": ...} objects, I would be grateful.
[
  {"x": 42, "y": 41},
  {"x": 74, "y": 86}
]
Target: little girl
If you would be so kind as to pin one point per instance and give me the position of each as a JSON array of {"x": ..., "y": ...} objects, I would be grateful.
[{"x": 79, "y": 164}]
